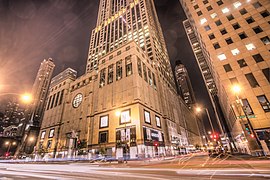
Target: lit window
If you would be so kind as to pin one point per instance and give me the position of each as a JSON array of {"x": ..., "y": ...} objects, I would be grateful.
[
  {"x": 225, "y": 10},
  {"x": 235, "y": 51},
  {"x": 147, "y": 118},
  {"x": 104, "y": 121},
  {"x": 237, "y": 4},
  {"x": 222, "y": 57},
  {"x": 213, "y": 15},
  {"x": 125, "y": 117},
  {"x": 158, "y": 122},
  {"x": 51, "y": 134},
  {"x": 250, "y": 46},
  {"x": 42, "y": 134},
  {"x": 203, "y": 20}
]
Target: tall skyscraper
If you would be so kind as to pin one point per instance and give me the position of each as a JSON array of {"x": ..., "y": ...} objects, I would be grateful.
[
  {"x": 40, "y": 90},
  {"x": 212, "y": 85},
  {"x": 121, "y": 21},
  {"x": 31, "y": 126},
  {"x": 184, "y": 84},
  {"x": 236, "y": 36},
  {"x": 126, "y": 103}
]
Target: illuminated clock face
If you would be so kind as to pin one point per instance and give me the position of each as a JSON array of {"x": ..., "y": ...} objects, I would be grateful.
[{"x": 77, "y": 100}]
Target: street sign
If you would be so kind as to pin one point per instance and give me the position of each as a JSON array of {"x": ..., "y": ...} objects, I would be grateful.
[{"x": 249, "y": 116}]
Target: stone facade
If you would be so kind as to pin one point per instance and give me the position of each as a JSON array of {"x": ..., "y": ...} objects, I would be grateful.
[{"x": 134, "y": 92}]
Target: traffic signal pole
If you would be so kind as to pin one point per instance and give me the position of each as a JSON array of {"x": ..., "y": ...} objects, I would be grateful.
[{"x": 250, "y": 125}]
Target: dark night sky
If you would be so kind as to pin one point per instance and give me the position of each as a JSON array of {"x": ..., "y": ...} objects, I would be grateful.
[{"x": 32, "y": 30}]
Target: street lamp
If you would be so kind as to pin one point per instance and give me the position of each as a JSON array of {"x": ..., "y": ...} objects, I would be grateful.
[
  {"x": 199, "y": 110},
  {"x": 236, "y": 90},
  {"x": 26, "y": 98}
]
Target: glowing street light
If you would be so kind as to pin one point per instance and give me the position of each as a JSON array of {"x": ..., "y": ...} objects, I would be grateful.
[
  {"x": 31, "y": 139},
  {"x": 198, "y": 109},
  {"x": 236, "y": 89},
  {"x": 117, "y": 113},
  {"x": 26, "y": 98}
]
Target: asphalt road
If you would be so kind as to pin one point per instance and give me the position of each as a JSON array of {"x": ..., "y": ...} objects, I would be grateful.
[{"x": 175, "y": 169}]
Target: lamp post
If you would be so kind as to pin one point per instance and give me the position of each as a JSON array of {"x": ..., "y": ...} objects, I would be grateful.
[
  {"x": 199, "y": 109},
  {"x": 237, "y": 89}
]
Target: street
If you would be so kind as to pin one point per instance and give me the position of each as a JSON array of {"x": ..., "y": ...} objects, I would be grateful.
[{"x": 186, "y": 167}]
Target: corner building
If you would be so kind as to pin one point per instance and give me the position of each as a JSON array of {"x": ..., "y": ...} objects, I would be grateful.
[
  {"x": 126, "y": 103},
  {"x": 236, "y": 36}
]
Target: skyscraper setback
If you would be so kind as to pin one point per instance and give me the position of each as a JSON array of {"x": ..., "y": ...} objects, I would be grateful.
[
  {"x": 126, "y": 103},
  {"x": 236, "y": 37}
]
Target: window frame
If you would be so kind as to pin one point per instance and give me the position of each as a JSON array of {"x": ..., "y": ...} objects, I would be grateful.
[
  {"x": 252, "y": 80},
  {"x": 262, "y": 105},
  {"x": 100, "y": 121},
  {"x": 120, "y": 117},
  {"x": 145, "y": 118},
  {"x": 157, "y": 121},
  {"x": 51, "y": 133},
  {"x": 99, "y": 136},
  {"x": 227, "y": 68}
]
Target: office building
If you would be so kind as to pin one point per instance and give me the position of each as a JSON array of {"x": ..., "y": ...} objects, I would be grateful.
[
  {"x": 184, "y": 84},
  {"x": 236, "y": 37},
  {"x": 33, "y": 118}
]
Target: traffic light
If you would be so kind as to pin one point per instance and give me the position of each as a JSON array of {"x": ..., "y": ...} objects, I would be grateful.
[
  {"x": 7, "y": 154},
  {"x": 247, "y": 128},
  {"x": 252, "y": 135},
  {"x": 156, "y": 143},
  {"x": 214, "y": 136}
]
